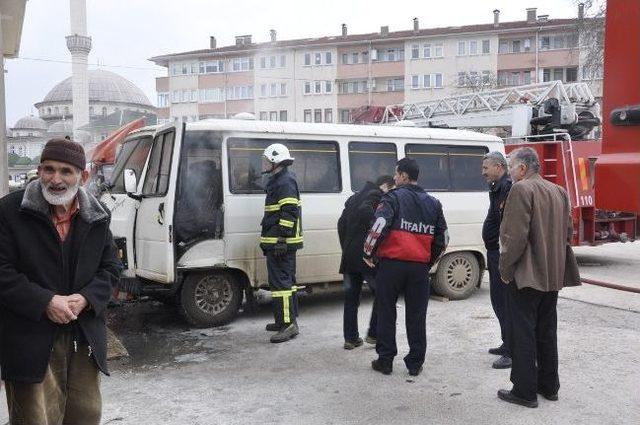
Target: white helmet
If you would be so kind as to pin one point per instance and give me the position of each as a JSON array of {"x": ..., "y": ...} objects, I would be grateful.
[{"x": 277, "y": 153}]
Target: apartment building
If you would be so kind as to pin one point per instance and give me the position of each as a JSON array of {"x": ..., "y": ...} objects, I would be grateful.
[{"x": 324, "y": 79}]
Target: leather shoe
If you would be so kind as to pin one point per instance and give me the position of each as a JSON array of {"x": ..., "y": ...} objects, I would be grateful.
[
  {"x": 509, "y": 397},
  {"x": 378, "y": 366},
  {"x": 550, "y": 397},
  {"x": 498, "y": 351},
  {"x": 350, "y": 345},
  {"x": 415, "y": 372},
  {"x": 503, "y": 362}
]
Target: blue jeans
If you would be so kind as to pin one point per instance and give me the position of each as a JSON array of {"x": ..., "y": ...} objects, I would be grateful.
[{"x": 352, "y": 287}]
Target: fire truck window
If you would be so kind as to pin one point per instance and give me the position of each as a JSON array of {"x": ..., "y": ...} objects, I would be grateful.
[{"x": 368, "y": 161}]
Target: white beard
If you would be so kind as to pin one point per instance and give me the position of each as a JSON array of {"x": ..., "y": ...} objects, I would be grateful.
[{"x": 62, "y": 199}]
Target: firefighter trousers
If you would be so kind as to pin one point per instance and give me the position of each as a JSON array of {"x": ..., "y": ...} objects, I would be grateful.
[{"x": 282, "y": 277}]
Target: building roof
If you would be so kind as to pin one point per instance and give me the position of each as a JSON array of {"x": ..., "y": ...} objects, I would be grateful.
[
  {"x": 62, "y": 126},
  {"x": 119, "y": 118},
  {"x": 503, "y": 27},
  {"x": 104, "y": 86},
  {"x": 30, "y": 123}
]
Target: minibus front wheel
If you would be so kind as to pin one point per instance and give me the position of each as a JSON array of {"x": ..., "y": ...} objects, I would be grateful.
[
  {"x": 457, "y": 276},
  {"x": 210, "y": 298}
]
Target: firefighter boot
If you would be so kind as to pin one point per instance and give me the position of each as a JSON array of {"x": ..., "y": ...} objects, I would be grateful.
[
  {"x": 283, "y": 312},
  {"x": 273, "y": 327}
]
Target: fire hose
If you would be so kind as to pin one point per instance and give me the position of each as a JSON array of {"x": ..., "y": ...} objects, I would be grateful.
[{"x": 610, "y": 285}]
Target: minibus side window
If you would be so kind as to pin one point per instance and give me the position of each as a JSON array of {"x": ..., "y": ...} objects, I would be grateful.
[
  {"x": 157, "y": 179},
  {"x": 434, "y": 166},
  {"x": 132, "y": 156},
  {"x": 465, "y": 163},
  {"x": 449, "y": 168},
  {"x": 368, "y": 161},
  {"x": 316, "y": 165}
]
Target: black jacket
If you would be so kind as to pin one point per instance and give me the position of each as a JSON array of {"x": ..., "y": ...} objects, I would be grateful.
[
  {"x": 353, "y": 226},
  {"x": 408, "y": 225},
  {"x": 498, "y": 193},
  {"x": 32, "y": 272},
  {"x": 282, "y": 212}
]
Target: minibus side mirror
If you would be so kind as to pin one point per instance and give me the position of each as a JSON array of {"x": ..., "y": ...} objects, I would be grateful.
[{"x": 131, "y": 184}]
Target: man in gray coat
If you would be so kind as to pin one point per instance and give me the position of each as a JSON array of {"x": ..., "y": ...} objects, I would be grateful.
[{"x": 536, "y": 261}]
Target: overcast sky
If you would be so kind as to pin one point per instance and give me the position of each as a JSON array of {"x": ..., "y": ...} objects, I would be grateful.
[{"x": 126, "y": 33}]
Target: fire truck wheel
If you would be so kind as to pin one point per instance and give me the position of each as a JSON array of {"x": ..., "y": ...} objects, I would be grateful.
[
  {"x": 457, "y": 275},
  {"x": 210, "y": 299}
]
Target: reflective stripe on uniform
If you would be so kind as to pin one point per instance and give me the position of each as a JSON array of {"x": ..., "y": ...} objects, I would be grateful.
[
  {"x": 272, "y": 208},
  {"x": 286, "y": 296},
  {"x": 289, "y": 201},
  {"x": 272, "y": 240},
  {"x": 286, "y": 223}
]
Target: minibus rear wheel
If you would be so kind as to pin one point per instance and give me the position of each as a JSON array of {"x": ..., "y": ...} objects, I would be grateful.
[
  {"x": 457, "y": 275},
  {"x": 210, "y": 298}
]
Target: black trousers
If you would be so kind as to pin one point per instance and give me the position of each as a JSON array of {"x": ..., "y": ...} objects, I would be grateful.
[
  {"x": 499, "y": 293},
  {"x": 352, "y": 283},
  {"x": 282, "y": 277},
  {"x": 411, "y": 280},
  {"x": 534, "y": 341}
]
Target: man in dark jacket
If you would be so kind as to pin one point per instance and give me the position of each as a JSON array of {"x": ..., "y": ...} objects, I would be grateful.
[
  {"x": 280, "y": 238},
  {"x": 57, "y": 267},
  {"x": 353, "y": 227},
  {"x": 408, "y": 235},
  {"x": 494, "y": 170}
]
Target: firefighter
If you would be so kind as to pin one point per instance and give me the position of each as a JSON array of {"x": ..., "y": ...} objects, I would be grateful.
[
  {"x": 281, "y": 237},
  {"x": 408, "y": 235}
]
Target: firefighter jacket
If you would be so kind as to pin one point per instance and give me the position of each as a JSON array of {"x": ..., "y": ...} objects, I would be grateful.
[
  {"x": 282, "y": 212},
  {"x": 408, "y": 225}
]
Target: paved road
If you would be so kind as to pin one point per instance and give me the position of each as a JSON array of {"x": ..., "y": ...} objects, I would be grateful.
[{"x": 232, "y": 375}]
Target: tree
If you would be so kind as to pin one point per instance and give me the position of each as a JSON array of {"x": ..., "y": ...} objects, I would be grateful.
[
  {"x": 591, "y": 29},
  {"x": 23, "y": 160},
  {"x": 13, "y": 158},
  {"x": 475, "y": 82}
]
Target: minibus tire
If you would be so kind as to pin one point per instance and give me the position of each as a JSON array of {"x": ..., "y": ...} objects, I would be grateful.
[
  {"x": 457, "y": 275},
  {"x": 210, "y": 298}
]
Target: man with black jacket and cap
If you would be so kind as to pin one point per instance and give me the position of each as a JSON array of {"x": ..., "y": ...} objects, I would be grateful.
[
  {"x": 57, "y": 267},
  {"x": 353, "y": 226}
]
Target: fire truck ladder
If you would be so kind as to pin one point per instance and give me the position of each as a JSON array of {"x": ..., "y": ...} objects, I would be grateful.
[{"x": 507, "y": 107}]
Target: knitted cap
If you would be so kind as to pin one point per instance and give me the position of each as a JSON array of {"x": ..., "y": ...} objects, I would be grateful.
[{"x": 64, "y": 150}]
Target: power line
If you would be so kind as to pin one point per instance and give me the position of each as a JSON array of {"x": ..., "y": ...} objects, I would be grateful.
[{"x": 92, "y": 64}]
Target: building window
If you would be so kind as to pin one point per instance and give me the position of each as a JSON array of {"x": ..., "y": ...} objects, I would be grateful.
[
  {"x": 317, "y": 115},
  {"x": 545, "y": 43},
  {"x": 163, "y": 101},
  {"x": 263, "y": 116},
  {"x": 272, "y": 61},
  {"x": 473, "y": 47},
  {"x": 283, "y": 61},
  {"x": 462, "y": 48},
  {"x": 283, "y": 115},
  {"x": 328, "y": 87},
  {"x": 515, "y": 46},
  {"x": 211, "y": 67},
  {"x": 318, "y": 59},
  {"x": 415, "y": 81},
  {"x": 345, "y": 116},
  {"x": 242, "y": 64},
  {"x": 273, "y": 116},
  {"x": 327, "y": 58},
  {"x": 486, "y": 78},
  {"x": 486, "y": 47},
  {"x": 427, "y": 51},
  {"x": 328, "y": 115},
  {"x": 307, "y": 115},
  {"x": 426, "y": 81},
  {"x": 345, "y": 59},
  {"x": 354, "y": 58},
  {"x": 415, "y": 51},
  {"x": 572, "y": 75},
  {"x": 438, "y": 81},
  {"x": 263, "y": 90},
  {"x": 263, "y": 62},
  {"x": 273, "y": 90},
  {"x": 526, "y": 77},
  {"x": 307, "y": 59},
  {"x": 317, "y": 87},
  {"x": 503, "y": 47},
  {"x": 395, "y": 84},
  {"x": 283, "y": 89},
  {"x": 438, "y": 50},
  {"x": 307, "y": 87},
  {"x": 461, "y": 79}
]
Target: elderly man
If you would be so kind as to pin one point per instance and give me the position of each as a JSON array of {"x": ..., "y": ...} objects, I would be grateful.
[
  {"x": 536, "y": 261},
  {"x": 494, "y": 170},
  {"x": 57, "y": 266}
]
